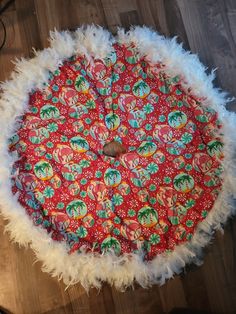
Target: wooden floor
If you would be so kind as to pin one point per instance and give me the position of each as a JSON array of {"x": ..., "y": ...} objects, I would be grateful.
[{"x": 207, "y": 27}]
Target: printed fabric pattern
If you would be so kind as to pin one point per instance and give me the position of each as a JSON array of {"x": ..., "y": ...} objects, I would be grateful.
[{"x": 151, "y": 197}]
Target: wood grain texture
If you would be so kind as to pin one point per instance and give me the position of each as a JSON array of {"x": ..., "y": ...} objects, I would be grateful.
[{"x": 206, "y": 27}]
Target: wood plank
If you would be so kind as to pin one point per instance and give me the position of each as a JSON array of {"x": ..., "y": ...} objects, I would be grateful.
[
  {"x": 13, "y": 47},
  {"x": 175, "y": 22},
  {"x": 172, "y": 295},
  {"x": 146, "y": 301},
  {"x": 7, "y": 272},
  {"x": 62, "y": 15},
  {"x": 215, "y": 280},
  {"x": 209, "y": 33},
  {"x": 156, "y": 16},
  {"x": 79, "y": 299},
  {"x": 118, "y": 11},
  {"x": 102, "y": 301},
  {"x": 194, "y": 287},
  {"x": 28, "y": 25}
]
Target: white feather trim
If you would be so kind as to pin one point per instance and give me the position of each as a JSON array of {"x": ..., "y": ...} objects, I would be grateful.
[{"x": 91, "y": 269}]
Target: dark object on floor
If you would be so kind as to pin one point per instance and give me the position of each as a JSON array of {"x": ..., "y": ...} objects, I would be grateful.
[
  {"x": 3, "y": 311},
  {"x": 2, "y": 10}
]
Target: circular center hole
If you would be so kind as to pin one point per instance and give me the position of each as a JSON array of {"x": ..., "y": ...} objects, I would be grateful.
[{"x": 113, "y": 149}]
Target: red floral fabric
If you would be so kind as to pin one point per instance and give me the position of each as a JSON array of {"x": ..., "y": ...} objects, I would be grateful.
[{"x": 153, "y": 196}]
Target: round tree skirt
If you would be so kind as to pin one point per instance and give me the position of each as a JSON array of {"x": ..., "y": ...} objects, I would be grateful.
[{"x": 137, "y": 211}]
